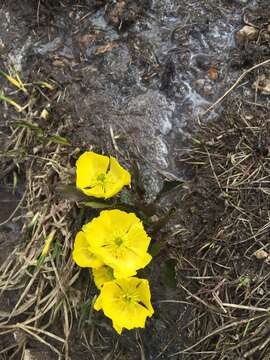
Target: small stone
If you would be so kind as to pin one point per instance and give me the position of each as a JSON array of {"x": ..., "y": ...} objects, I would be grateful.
[
  {"x": 154, "y": 218},
  {"x": 249, "y": 117},
  {"x": 32, "y": 354},
  {"x": 58, "y": 63},
  {"x": 19, "y": 336},
  {"x": 262, "y": 84},
  {"x": 261, "y": 254},
  {"x": 247, "y": 33},
  {"x": 268, "y": 28},
  {"x": 266, "y": 36},
  {"x": 200, "y": 83},
  {"x": 212, "y": 73},
  {"x": 260, "y": 291},
  {"x": 27, "y": 355},
  {"x": 208, "y": 90},
  {"x": 203, "y": 62}
]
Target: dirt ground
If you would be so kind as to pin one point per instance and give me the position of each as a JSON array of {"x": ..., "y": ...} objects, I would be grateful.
[{"x": 138, "y": 80}]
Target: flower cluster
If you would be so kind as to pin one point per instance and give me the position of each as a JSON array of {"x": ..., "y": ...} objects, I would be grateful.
[{"x": 114, "y": 245}]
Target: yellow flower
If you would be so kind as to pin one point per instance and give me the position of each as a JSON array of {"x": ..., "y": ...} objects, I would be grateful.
[
  {"x": 82, "y": 254},
  {"x": 100, "y": 176},
  {"x": 102, "y": 275},
  {"x": 120, "y": 241},
  {"x": 126, "y": 302}
]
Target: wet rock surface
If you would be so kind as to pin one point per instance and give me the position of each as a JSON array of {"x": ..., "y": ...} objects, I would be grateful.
[
  {"x": 161, "y": 58},
  {"x": 133, "y": 78},
  {"x": 143, "y": 70}
]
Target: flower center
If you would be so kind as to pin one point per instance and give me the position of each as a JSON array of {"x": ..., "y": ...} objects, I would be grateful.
[
  {"x": 118, "y": 241},
  {"x": 101, "y": 178},
  {"x": 127, "y": 298}
]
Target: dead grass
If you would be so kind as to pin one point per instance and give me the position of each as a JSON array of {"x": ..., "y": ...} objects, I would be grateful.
[
  {"x": 226, "y": 215},
  {"x": 40, "y": 283}
]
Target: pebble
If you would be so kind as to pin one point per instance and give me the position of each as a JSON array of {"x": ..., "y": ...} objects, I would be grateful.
[
  {"x": 203, "y": 62},
  {"x": 200, "y": 83},
  {"x": 262, "y": 84},
  {"x": 208, "y": 90},
  {"x": 247, "y": 33}
]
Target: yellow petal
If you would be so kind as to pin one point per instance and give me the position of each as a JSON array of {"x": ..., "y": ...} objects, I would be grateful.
[
  {"x": 102, "y": 275},
  {"x": 143, "y": 291},
  {"x": 137, "y": 239},
  {"x": 97, "y": 191},
  {"x": 120, "y": 220},
  {"x": 96, "y": 231},
  {"x": 120, "y": 272},
  {"x": 125, "y": 266},
  {"x": 98, "y": 303},
  {"x": 82, "y": 254},
  {"x": 118, "y": 172},
  {"x": 116, "y": 178},
  {"x": 111, "y": 188},
  {"x": 118, "y": 328},
  {"x": 88, "y": 167}
]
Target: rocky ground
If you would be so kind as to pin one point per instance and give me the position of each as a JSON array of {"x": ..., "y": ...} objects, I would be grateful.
[{"x": 138, "y": 80}]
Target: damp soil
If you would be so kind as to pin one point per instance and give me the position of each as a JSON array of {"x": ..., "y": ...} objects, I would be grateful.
[{"x": 134, "y": 79}]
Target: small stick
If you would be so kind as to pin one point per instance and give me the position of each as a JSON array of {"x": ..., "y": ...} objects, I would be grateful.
[{"x": 244, "y": 307}]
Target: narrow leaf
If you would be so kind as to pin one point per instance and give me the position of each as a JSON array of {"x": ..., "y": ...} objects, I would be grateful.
[
  {"x": 16, "y": 82},
  {"x": 11, "y": 102},
  {"x": 96, "y": 204},
  {"x": 59, "y": 140},
  {"x": 70, "y": 192}
]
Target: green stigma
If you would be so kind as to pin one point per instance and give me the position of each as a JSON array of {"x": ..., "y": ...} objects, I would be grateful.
[
  {"x": 101, "y": 178},
  {"x": 118, "y": 241}
]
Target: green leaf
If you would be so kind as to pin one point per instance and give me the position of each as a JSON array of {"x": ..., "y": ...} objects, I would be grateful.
[
  {"x": 31, "y": 126},
  {"x": 96, "y": 204},
  {"x": 56, "y": 250},
  {"x": 59, "y": 140},
  {"x": 137, "y": 179},
  {"x": 69, "y": 192},
  {"x": 155, "y": 248},
  {"x": 40, "y": 261},
  {"x": 11, "y": 102},
  {"x": 86, "y": 313},
  {"x": 169, "y": 274}
]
